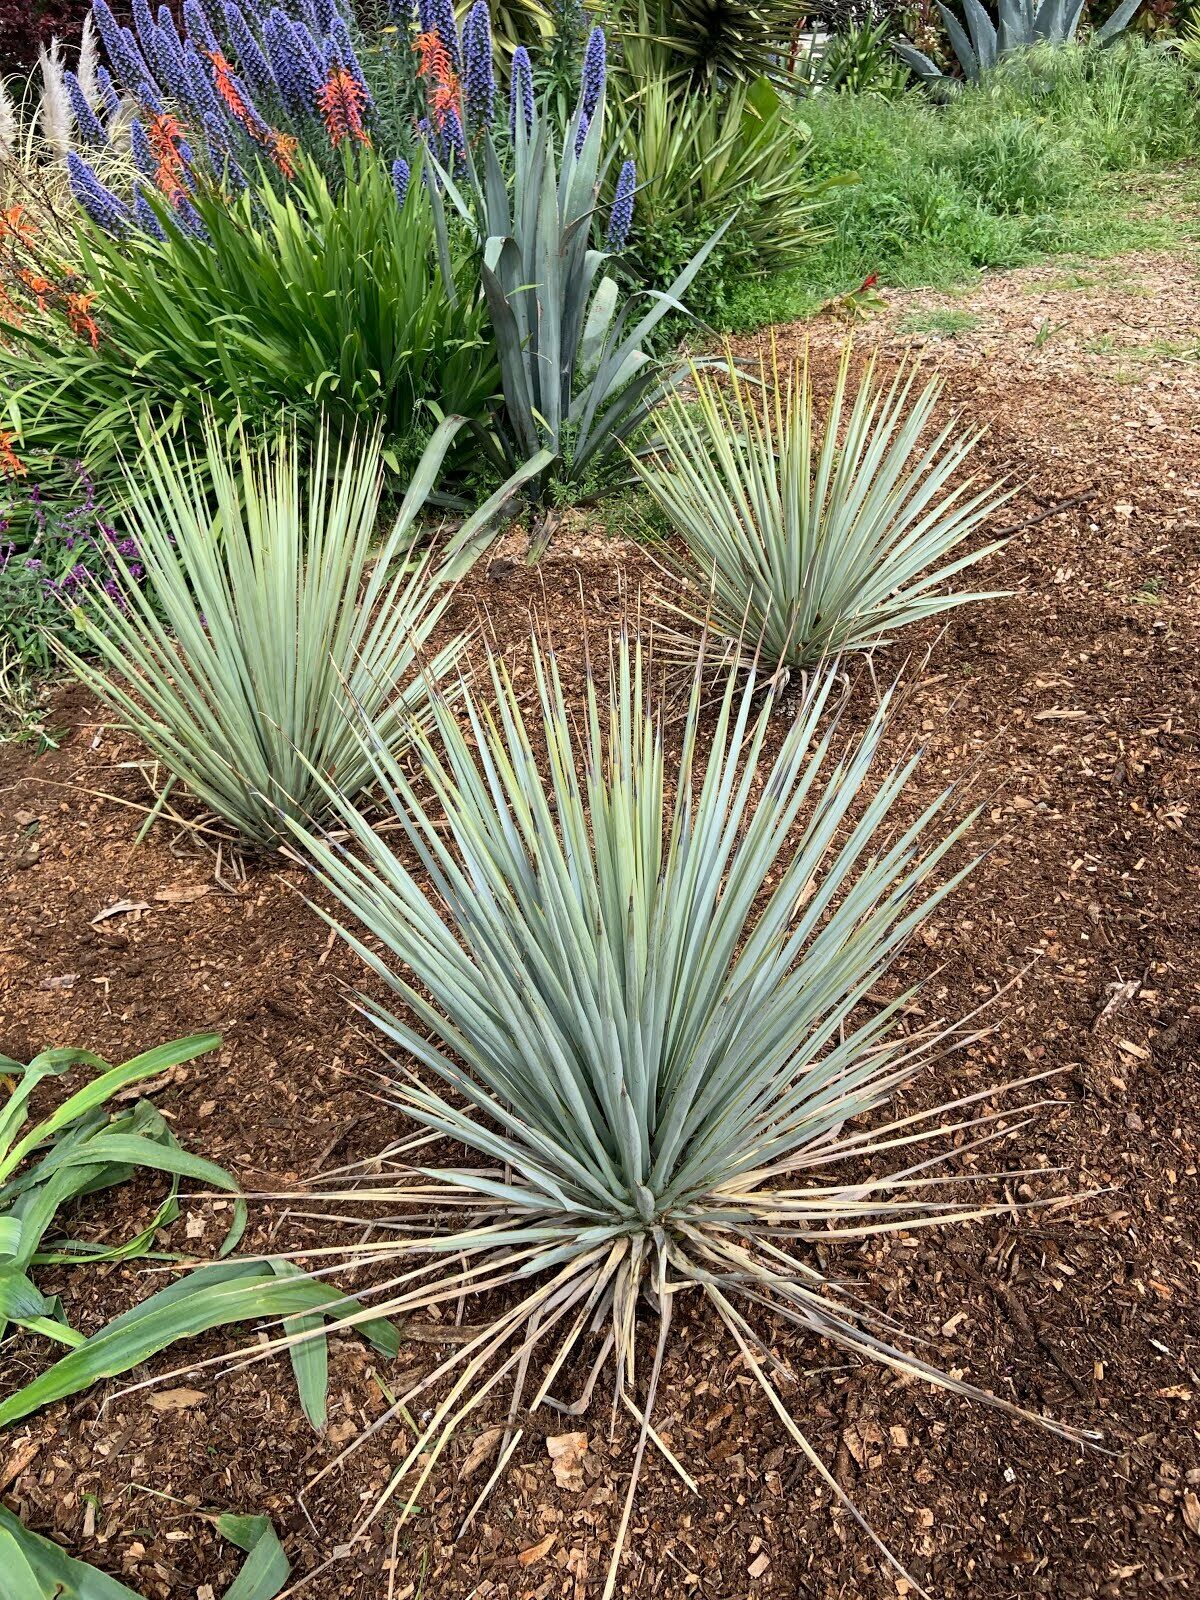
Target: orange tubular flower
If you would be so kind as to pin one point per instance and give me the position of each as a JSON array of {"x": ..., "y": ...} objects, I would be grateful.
[
  {"x": 440, "y": 76},
  {"x": 230, "y": 93},
  {"x": 282, "y": 147},
  {"x": 341, "y": 100},
  {"x": 79, "y": 314},
  {"x": 164, "y": 134},
  {"x": 38, "y": 286},
  {"x": 14, "y": 226},
  {"x": 11, "y": 464}
]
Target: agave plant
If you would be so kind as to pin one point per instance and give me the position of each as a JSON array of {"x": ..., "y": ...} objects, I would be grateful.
[
  {"x": 259, "y": 616},
  {"x": 1019, "y": 24},
  {"x": 577, "y": 378},
  {"x": 800, "y": 548},
  {"x": 651, "y": 1025}
]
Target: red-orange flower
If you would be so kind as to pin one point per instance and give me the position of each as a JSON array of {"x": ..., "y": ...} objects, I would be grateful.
[
  {"x": 230, "y": 93},
  {"x": 10, "y": 462},
  {"x": 38, "y": 286},
  {"x": 13, "y": 225},
  {"x": 342, "y": 99},
  {"x": 282, "y": 147},
  {"x": 164, "y": 133},
  {"x": 441, "y": 79},
  {"x": 79, "y": 315}
]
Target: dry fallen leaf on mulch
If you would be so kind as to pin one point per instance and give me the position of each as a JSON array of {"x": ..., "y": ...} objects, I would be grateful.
[
  {"x": 483, "y": 1447},
  {"x": 176, "y": 1399},
  {"x": 566, "y": 1453},
  {"x": 1191, "y": 1512},
  {"x": 536, "y": 1551},
  {"x": 180, "y": 893},
  {"x": 120, "y": 908}
]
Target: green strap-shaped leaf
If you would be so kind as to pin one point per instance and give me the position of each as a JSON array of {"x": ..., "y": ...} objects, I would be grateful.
[
  {"x": 35, "y": 1568},
  {"x": 210, "y": 1297}
]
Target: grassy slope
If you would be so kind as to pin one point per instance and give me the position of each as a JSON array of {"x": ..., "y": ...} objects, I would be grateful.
[{"x": 1089, "y": 167}]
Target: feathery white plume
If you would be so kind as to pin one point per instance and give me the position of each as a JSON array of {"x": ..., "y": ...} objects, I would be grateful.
[
  {"x": 55, "y": 115},
  {"x": 8, "y": 123},
  {"x": 89, "y": 60}
]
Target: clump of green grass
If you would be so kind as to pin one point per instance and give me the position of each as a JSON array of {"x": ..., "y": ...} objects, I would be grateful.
[{"x": 1027, "y": 164}]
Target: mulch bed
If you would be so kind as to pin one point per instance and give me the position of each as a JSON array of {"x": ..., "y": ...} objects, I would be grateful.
[{"x": 1073, "y": 711}]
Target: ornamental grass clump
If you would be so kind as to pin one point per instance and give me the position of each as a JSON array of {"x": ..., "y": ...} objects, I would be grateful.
[
  {"x": 258, "y": 616},
  {"x": 808, "y": 538},
  {"x": 641, "y": 992}
]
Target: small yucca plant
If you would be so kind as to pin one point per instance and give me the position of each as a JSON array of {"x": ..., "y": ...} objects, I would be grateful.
[
  {"x": 643, "y": 999},
  {"x": 811, "y": 538},
  {"x": 258, "y": 619}
]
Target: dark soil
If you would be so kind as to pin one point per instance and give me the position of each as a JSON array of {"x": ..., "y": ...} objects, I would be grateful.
[{"x": 1073, "y": 707}]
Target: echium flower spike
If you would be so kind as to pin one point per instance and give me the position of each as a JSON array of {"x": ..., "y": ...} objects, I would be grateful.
[
  {"x": 221, "y": 156},
  {"x": 143, "y": 22},
  {"x": 621, "y": 217},
  {"x": 594, "y": 67},
  {"x": 131, "y": 63},
  {"x": 108, "y": 91},
  {"x": 190, "y": 219},
  {"x": 171, "y": 65},
  {"x": 86, "y": 120},
  {"x": 401, "y": 175},
  {"x": 252, "y": 64},
  {"x": 201, "y": 96},
  {"x": 582, "y": 131},
  {"x": 139, "y": 144},
  {"x": 480, "y": 75},
  {"x": 340, "y": 35},
  {"x": 145, "y": 216},
  {"x": 121, "y": 47},
  {"x": 199, "y": 29},
  {"x": 437, "y": 16},
  {"x": 296, "y": 72},
  {"x": 454, "y": 141},
  {"x": 521, "y": 91},
  {"x": 166, "y": 23},
  {"x": 100, "y": 203}
]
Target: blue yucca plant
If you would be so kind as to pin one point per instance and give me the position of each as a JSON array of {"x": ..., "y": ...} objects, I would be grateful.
[{"x": 577, "y": 378}]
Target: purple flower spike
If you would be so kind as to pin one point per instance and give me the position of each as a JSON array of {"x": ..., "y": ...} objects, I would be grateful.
[
  {"x": 143, "y": 156},
  {"x": 108, "y": 91},
  {"x": 294, "y": 63},
  {"x": 100, "y": 203},
  {"x": 143, "y": 22},
  {"x": 252, "y": 64},
  {"x": 437, "y": 16},
  {"x": 401, "y": 174},
  {"x": 480, "y": 79},
  {"x": 521, "y": 91},
  {"x": 455, "y": 141},
  {"x": 340, "y": 34},
  {"x": 621, "y": 218},
  {"x": 170, "y": 64},
  {"x": 144, "y": 215},
  {"x": 202, "y": 97},
  {"x": 594, "y": 67},
  {"x": 86, "y": 119},
  {"x": 582, "y": 132},
  {"x": 199, "y": 28}
]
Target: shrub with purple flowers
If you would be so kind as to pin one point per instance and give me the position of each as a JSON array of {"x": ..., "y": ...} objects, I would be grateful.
[{"x": 56, "y": 545}]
